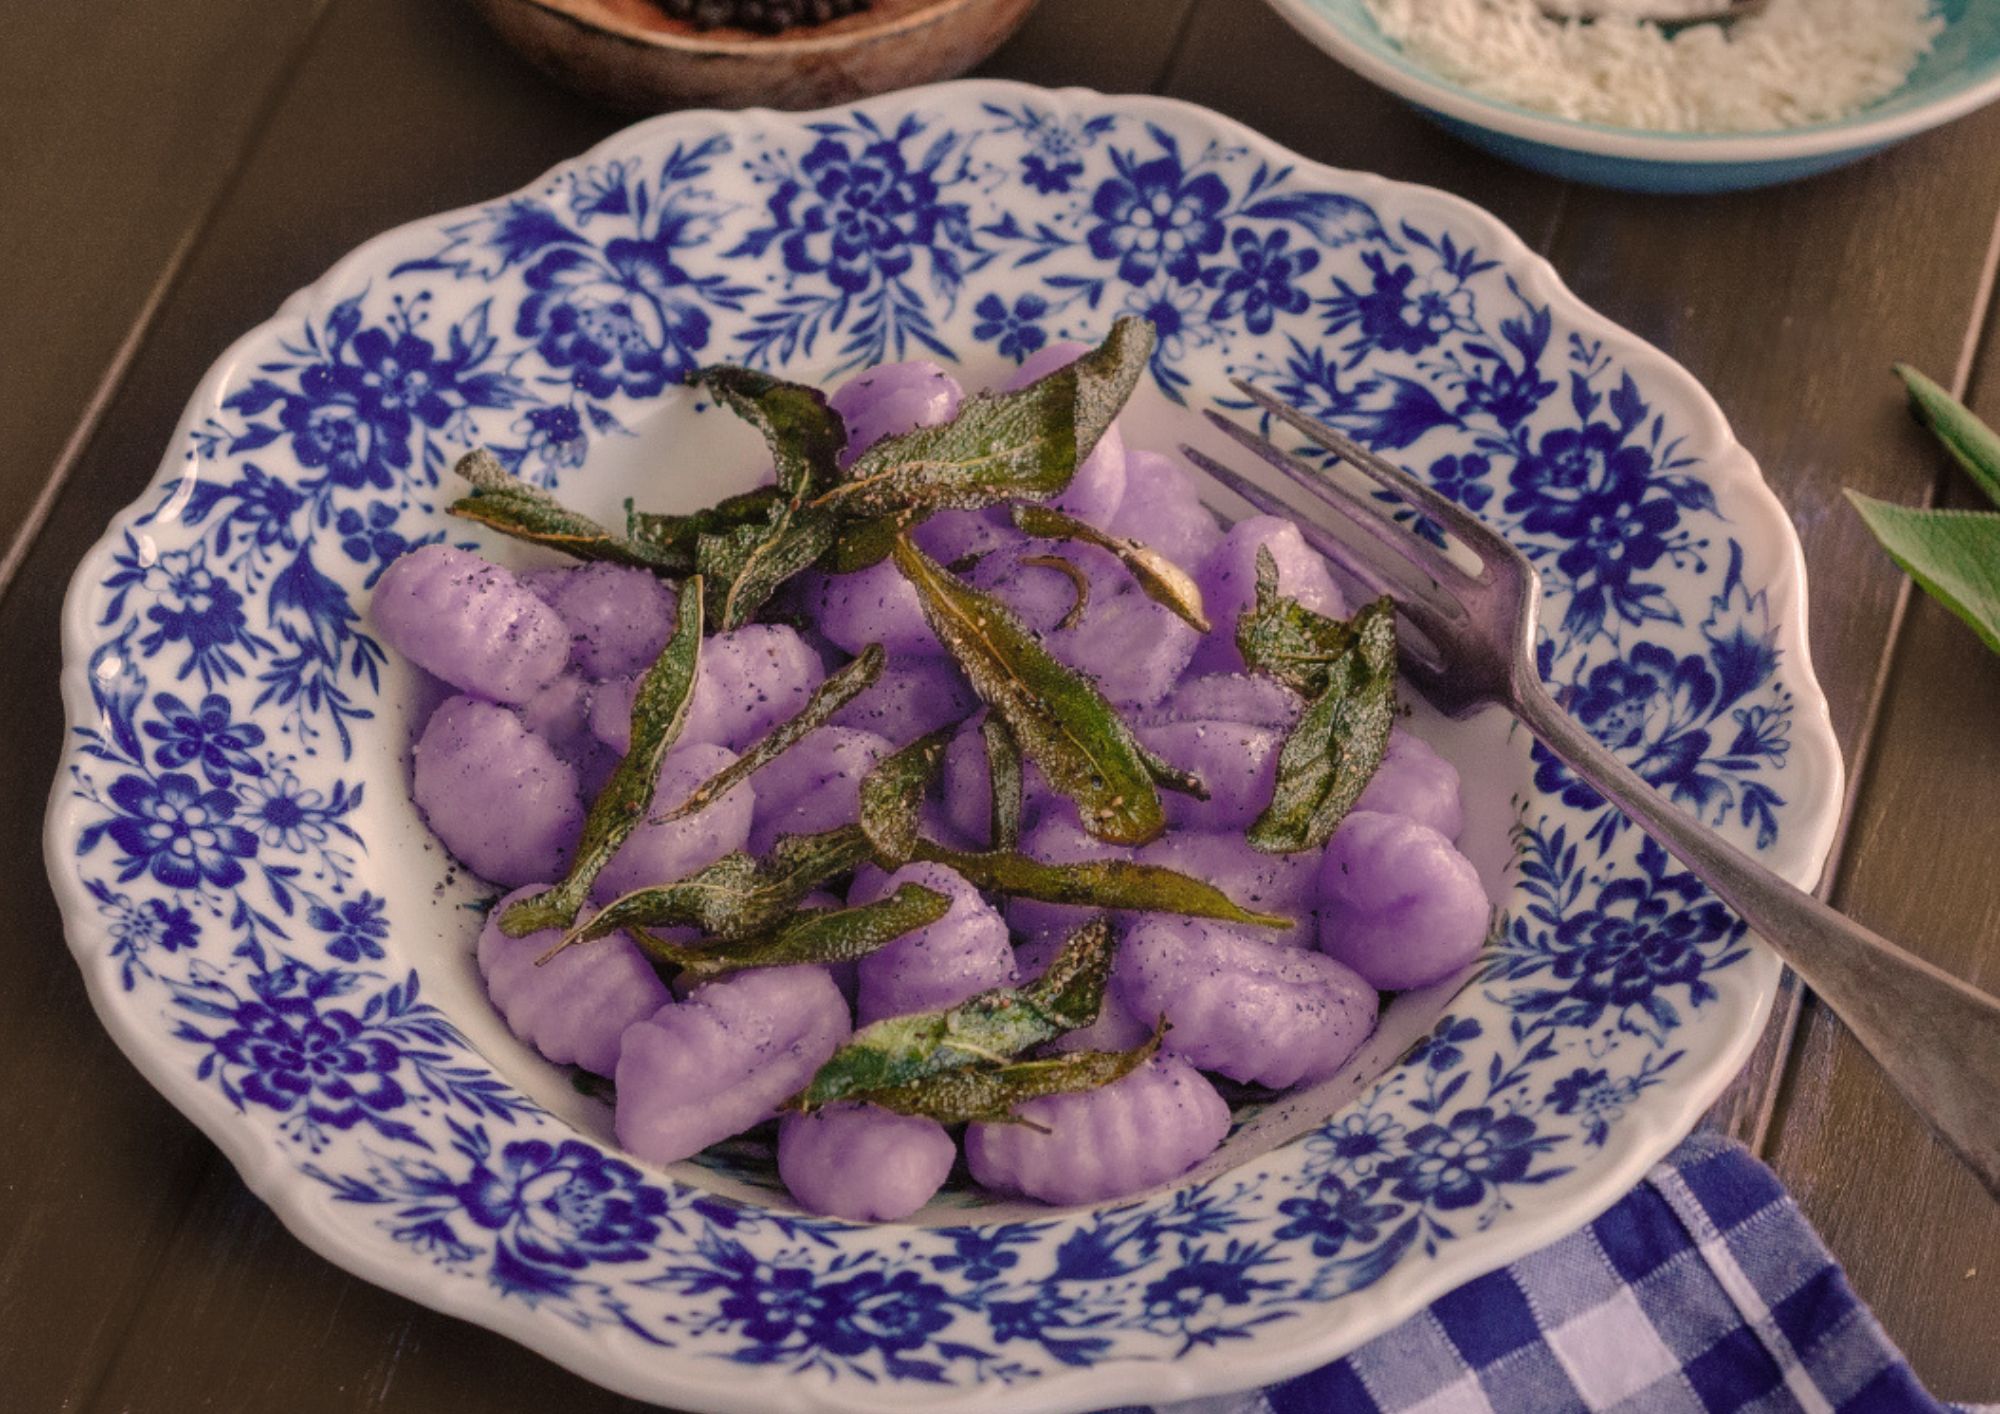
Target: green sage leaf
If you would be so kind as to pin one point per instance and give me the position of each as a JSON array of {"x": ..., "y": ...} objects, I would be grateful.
[
  {"x": 991, "y": 1094},
  {"x": 1063, "y": 723},
  {"x": 829, "y": 697},
  {"x": 658, "y": 710},
  {"x": 892, "y": 797},
  {"x": 1973, "y": 444},
  {"x": 1953, "y": 555},
  {"x": 986, "y": 1029},
  {"x": 1281, "y": 638},
  {"x": 1003, "y": 767},
  {"x": 504, "y": 502},
  {"x": 1097, "y": 883},
  {"x": 1158, "y": 577},
  {"x": 1024, "y": 445},
  {"x": 738, "y": 896},
  {"x": 1337, "y": 744},
  {"x": 810, "y": 937},
  {"x": 680, "y": 535}
]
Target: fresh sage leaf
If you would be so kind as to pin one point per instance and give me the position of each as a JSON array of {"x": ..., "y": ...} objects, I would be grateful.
[
  {"x": 991, "y": 1094},
  {"x": 658, "y": 710},
  {"x": 892, "y": 797},
  {"x": 1973, "y": 444},
  {"x": 1158, "y": 577},
  {"x": 1338, "y": 743},
  {"x": 506, "y": 503},
  {"x": 1097, "y": 883},
  {"x": 738, "y": 896},
  {"x": 1003, "y": 767},
  {"x": 1024, "y": 445},
  {"x": 1953, "y": 555},
  {"x": 1281, "y": 638},
  {"x": 811, "y": 937},
  {"x": 1063, "y": 723},
  {"x": 841, "y": 688},
  {"x": 988, "y": 1028}
]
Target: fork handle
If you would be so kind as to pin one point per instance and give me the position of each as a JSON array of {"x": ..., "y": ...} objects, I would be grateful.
[{"x": 1937, "y": 1037}]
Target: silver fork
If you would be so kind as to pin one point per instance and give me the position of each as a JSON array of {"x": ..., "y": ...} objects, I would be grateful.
[{"x": 1937, "y": 1037}]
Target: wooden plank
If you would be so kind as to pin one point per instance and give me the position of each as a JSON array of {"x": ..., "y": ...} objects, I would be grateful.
[
  {"x": 1918, "y": 1236},
  {"x": 1112, "y": 48},
  {"x": 117, "y": 143}
]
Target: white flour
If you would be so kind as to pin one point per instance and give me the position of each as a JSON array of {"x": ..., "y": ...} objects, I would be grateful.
[{"x": 1798, "y": 62}]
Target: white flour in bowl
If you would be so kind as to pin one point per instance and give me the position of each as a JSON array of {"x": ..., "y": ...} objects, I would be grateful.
[{"x": 1798, "y": 62}]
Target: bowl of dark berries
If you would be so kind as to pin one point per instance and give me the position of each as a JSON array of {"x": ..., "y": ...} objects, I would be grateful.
[{"x": 651, "y": 55}]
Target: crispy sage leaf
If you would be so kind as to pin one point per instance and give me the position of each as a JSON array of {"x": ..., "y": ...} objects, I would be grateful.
[
  {"x": 511, "y": 506},
  {"x": 1061, "y": 720},
  {"x": 1024, "y": 445},
  {"x": 1097, "y": 883},
  {"x": 1953, "y": 555},
  {"x": 989, "y": 1094},
  {"x": 892, "y": 797},
  {"x": 1078, "y": 581},
  {"x": 738, "y": 896},
  {"x": 746, "y": 563},
  {"x": 987, "y": 1028},
  {"x": 1336, "y": 745},
  {"x": 828, "y": 698},
  {"x": 680, "y": 534},
  {"x": 1158, "y": 577},
  {"x": 658, "y": 710},
  {"x": 812, "y": 936},
  {"x": 1973, "y": 444},
  {"x": 1283, "y": 639},
  {"x": 1003, "y": 766}
]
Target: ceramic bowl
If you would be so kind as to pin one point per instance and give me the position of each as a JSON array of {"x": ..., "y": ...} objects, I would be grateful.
[
  {"x": 273, "y": 936},
  {"x": 1960, "y": 74},
  {"x": 629, "y": 55}
]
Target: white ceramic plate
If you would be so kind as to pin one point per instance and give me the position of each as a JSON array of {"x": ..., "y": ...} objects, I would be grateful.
[{"x": 270, "y": 933}]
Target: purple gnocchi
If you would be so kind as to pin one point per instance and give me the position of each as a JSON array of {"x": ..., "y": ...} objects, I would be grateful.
[
  {"x": 659, "y": 852},
  {"x": 939, "y": 965},
  {"x": 1237, "y": 762},
  {"x": 875, "y": 605},
  {"x": 495, "y": 793},
  {"x": 1162, "y": 508},
  {"x": 1415, "y": 782},
  {"x": 814, "y": 786},
  {"x": 696, "y": 1072},
  {"x": 1058, "y": 839},
  {"x": 750, "y": 679},
  {"x": 1282, "y": 884},
  {"x": 1228, "y": 580},
  {"x": 471, "y": 623},
  {"x": 912, "y": 697},
  {"x": 618, "y": 618},
  {"x": 861, "y": 1163},
  {"x": 1240, "y": 1007},
  {"x": 1229, "y": 697},
  {"x": 892, "y": 399},
  {"x": 574, "y": 1007},
  {"x": 1152, "y": 1125},
  {"x": 1398, "y": 903},
  {"x": 1098, "y": 486}
]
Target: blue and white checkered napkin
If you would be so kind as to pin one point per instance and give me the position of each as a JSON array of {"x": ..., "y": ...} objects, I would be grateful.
[{"x": 1703, "y": 1290}]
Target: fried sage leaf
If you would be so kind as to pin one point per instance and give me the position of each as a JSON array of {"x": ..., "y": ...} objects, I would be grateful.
[
  {"x": 1097, "y": 883},
  {"x": 658, "y": 710},
  {"x": 1283, "y": 639},
  {"x": 1337, "y": 744},
  {"x": 738, "y": 896},
  {"x": 1158, "y": 577},
  {"x": 1061, "y": 720},
  {"x": 988, "y": 1028},
  {"x": 811, "y": 936},
  {"x": 511, "y": 506},
  {"x": 1003, "y": 766},
  {"x": 1079, "y": 584},
  {"x": 679, "y": 535},
  {"x": 892, "y": 797},
  {"x": 989, "y": 1094},
  {"x": 828, "y": 698},
  {"x": 1024, "y": 445},
  {"x": 746, "y": 563}
]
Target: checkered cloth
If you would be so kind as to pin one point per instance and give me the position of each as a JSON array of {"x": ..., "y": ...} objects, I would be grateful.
[{"x": 1703, "y": 1290}]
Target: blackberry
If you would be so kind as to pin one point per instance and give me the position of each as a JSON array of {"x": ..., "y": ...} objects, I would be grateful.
[{"x": 760, "y": 16}]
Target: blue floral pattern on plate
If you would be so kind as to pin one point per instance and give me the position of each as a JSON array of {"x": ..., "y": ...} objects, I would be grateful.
[{"x": 213, "y": 840}]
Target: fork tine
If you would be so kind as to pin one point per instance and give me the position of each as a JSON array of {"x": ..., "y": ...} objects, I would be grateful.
[
  {"x": 1366, "y": 514},
  {"x": 1456, "y": 520},
  {"x": 1427, "y": 617}
]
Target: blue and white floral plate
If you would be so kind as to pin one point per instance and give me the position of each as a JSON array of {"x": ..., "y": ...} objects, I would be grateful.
[{"x": 269, "y": 932}]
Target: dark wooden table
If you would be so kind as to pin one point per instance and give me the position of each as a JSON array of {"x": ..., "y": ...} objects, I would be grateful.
[{"x": 173, "y": 171}]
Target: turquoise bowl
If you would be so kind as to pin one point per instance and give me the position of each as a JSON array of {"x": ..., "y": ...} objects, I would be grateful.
[{"x": 1961, "y": 73}]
